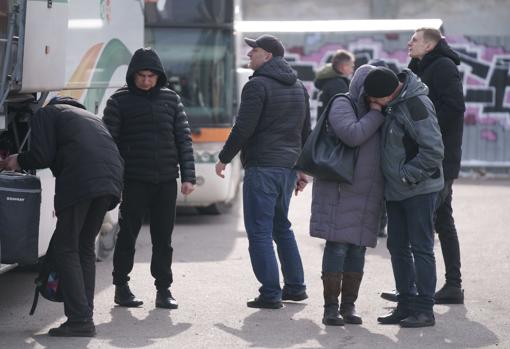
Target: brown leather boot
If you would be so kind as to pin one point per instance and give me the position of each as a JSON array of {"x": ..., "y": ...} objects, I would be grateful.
[
  {"x": 332, "y": 283},
  {"x": 350, "y": 288}
]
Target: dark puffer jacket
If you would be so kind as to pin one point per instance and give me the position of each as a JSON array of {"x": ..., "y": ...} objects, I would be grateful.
[
  {"x": 78, "y": 149},
  {"x": 273, "y": 120},
  {"x": 330, "y": 83},
  {"x": 437, "y": 69},
  {"x": 150, "y": 127}
]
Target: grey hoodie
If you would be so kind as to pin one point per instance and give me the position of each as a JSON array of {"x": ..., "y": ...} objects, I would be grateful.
[{"x": 412, "y": 144}]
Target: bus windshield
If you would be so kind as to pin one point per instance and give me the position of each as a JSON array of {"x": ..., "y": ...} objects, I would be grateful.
[{"x": 199, "y": 64}]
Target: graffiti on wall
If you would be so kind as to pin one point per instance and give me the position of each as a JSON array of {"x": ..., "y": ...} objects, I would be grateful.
[{"x": 485, "y": 70}]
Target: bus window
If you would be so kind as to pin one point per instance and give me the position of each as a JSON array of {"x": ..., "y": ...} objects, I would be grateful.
[
  {"x": 198, "y": 63},
  {"x": 202, "y": 12}
]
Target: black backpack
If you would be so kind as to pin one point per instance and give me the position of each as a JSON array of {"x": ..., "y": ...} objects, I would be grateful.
[{"x": 47, "y": 283}]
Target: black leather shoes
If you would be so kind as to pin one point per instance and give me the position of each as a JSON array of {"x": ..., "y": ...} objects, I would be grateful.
[
  {"x": 257, "y": 302},
  {"x": 125, "y": 298},
  {"x": 74, "y": 329},
  {"x": 286, "y": 296},
  {"x": 449, "y": 295},
  {"x": 165, "y": 300},
  {"x": 390, "y": 296},
  {"x": 394, "y": 317},
  {"x": 418, "y": 320}
]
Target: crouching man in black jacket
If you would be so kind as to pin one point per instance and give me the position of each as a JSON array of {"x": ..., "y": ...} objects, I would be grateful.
[
  {"x": 148, "y": 123},
  {"x": 86, "y": 163}
]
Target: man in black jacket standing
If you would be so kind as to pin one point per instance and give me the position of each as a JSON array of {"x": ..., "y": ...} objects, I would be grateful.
[
  {"x": 149, "y": 125},
  {"x": 334, "y": 77},
  {"x": 436, "y": 64},
  {"x": 80, "y": 152},
  {"x": 270, "y": 129}
]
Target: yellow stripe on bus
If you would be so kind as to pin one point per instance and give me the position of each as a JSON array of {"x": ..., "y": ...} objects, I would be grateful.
[{"x": 219, "y": 134}]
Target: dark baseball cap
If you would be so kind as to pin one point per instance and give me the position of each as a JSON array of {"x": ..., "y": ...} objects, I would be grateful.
[{"x": 267, "y": 42}]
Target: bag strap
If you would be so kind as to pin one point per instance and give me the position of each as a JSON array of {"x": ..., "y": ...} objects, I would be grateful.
[
  {"x": 35, "y": 301},
  {"x": 345, "y": 95}
]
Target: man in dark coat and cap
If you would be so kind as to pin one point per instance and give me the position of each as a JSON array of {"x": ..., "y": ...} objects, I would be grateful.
[
  {"x": 270, "y": 130},
  {"x": 149, "y": 125},
  {"x": 436, "y": 64},
  {"x": 86, "y": 163}
]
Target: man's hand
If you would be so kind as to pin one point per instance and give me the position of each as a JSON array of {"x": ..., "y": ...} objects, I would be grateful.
[
  {"x": 375, "y": 106},
  {"x": 302, "y": 181},
  {"x": 220, "y": 168},
  {"x": 10, "y": 163},
  {"x": 187, "y": 188}
]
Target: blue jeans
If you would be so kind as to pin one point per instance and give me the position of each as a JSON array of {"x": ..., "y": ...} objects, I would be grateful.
[
  {"x": 266, "y": 197},
  {"x": 411, "y": 246},
  {"x": 341, "y": 257}
]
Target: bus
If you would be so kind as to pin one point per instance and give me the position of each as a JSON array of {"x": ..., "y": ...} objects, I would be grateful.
[
  {"x": 196, "y": 42},
  {"x": 77, "y": 48}
]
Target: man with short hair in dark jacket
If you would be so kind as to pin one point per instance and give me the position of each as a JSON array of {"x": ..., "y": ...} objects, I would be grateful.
[
  {"x": 149, "y": 125},
  {"x": 270, "y": 129},
  {"x": 436, "y": 64},
  {"x": 333, "y": 78},
  {"x": 87, "y": 166}
]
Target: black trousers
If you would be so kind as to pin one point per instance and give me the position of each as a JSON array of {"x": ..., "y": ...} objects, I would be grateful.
[
  {"x": 73, "y": 245},
  {"x": 445, "y": 228},
  {"x": 159, "y": 200}
]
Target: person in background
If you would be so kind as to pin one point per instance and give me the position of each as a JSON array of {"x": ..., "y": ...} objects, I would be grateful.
[
  {"x": 334, "y": 77},
  {"x": 436, "y": 64},
  {"x": 412, "y": 155},
  {"x": 270, "y": 130},
  {"x": 88, "y": 168},
  {"x": 147, "y": 121},
  {"x": 347, "y": 215}
]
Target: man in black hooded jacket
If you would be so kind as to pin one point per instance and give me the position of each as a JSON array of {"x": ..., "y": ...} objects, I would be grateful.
[
  {"x": 86, "y": 163},
  {"x": 149, "y": 125},
  {"x": 436, "y": 64}
]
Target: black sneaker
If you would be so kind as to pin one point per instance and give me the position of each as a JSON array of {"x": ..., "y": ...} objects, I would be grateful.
[
  {"x": 394, "y": 317},
  {"x": 418, "y": 320},
  {"x": 125, "y": 298},
  {"x": 390, "y": 296},
  {"x": 286, "y": 296},
  {"x": 164, "y": 299},
  {"x": 257, "y": 302},
  {"x": 74, "y": 329},
  {"x": 449, "y": 295}
]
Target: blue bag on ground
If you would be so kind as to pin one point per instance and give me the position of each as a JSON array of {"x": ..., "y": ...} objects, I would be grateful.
[{"x": 20, "y": 206}]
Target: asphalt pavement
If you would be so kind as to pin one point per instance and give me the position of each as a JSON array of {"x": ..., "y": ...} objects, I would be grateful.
[{"x": 213, "y": 280}]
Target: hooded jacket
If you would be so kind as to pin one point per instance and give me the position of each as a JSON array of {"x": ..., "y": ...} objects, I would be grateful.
[
  {"x": 412, "y": 144},
  {"x": 438, "y": 70},
  {"x": 150, "y": 127},
  {"x": 78, "y": 149},
  {"x": 273, "y": 120},
  {"x": 329, "y": 82},
  {"x": 343, "y": 212}
]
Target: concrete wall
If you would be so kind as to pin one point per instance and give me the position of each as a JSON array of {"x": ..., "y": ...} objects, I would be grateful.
[{"x": 467, "y": 17}]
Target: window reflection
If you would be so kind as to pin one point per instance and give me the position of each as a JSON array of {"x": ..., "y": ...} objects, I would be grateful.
[{"x": 200, "y": 67}]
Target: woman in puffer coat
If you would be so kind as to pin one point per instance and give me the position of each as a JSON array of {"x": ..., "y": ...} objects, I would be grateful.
[{"x": 347, "y": 215}]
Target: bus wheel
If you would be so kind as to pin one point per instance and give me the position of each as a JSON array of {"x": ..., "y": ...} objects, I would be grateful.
[{"x": 215, "y": 209}]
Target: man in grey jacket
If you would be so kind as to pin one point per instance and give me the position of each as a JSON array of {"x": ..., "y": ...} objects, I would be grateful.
[{"x": 411, "y": 160}]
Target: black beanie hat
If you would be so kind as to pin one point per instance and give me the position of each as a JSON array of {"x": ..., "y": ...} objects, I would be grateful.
[{"x": 380, "y": 82}]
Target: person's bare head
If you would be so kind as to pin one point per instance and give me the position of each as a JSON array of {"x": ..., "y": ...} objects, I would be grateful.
[
  {"x": 423, "y": 41},
  {"x": 343, "y": 62}
]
